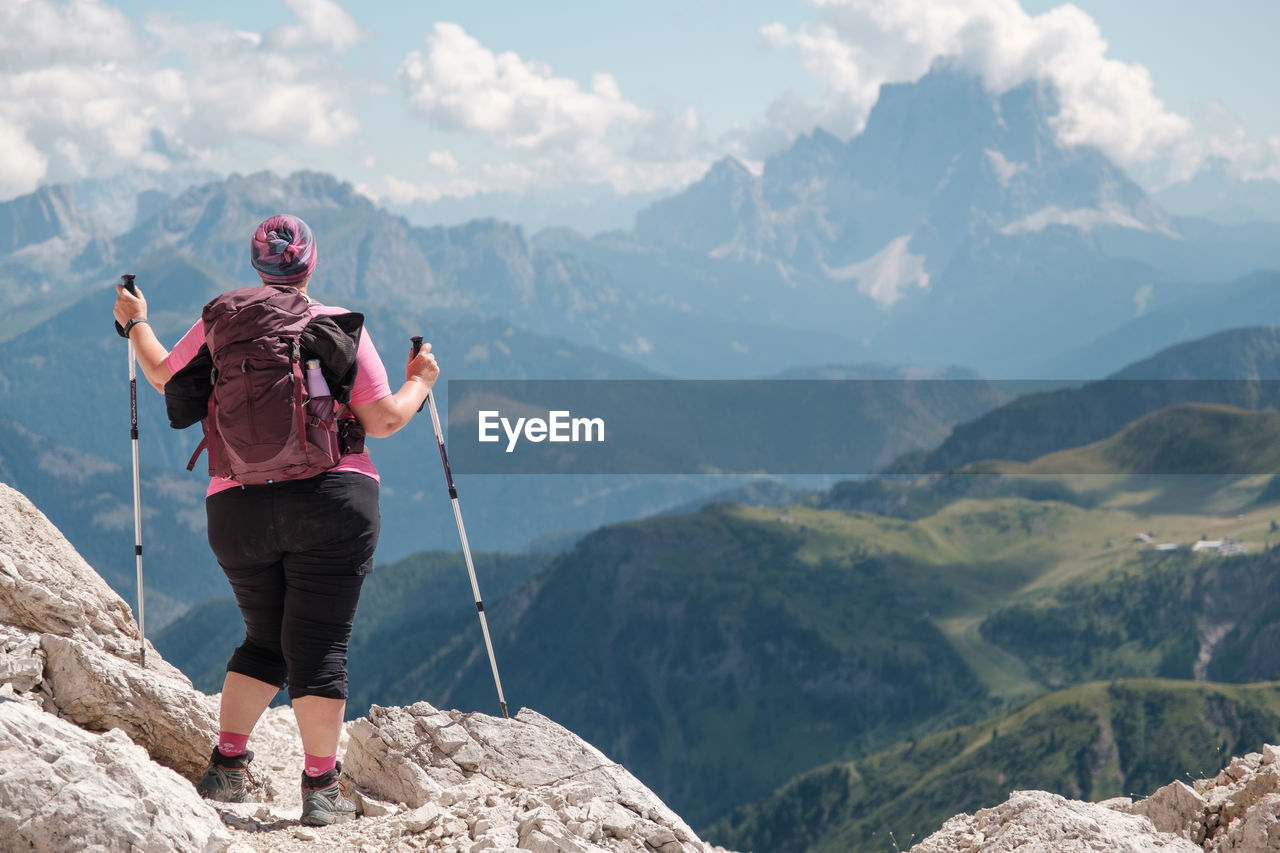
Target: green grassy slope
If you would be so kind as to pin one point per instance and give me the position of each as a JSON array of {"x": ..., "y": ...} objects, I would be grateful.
[{"x": 1182, "y": 615}]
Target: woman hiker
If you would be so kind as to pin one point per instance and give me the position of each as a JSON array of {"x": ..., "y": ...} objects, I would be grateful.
[{"x": 295, "y": 551}]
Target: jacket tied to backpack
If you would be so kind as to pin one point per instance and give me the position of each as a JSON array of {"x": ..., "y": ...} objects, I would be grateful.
[{"x": 247, "y": 386}]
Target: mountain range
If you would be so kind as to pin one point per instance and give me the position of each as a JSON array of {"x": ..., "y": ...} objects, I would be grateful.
[
  {"x": 63, "y": 370},
  {"x": 954, "y": 230}
]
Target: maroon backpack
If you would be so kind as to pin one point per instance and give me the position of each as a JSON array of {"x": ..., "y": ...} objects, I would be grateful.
[{"x": 261, "y": 424}]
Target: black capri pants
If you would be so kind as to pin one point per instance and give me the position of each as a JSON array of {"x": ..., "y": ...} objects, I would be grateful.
[{"x": 296, "y": 553}]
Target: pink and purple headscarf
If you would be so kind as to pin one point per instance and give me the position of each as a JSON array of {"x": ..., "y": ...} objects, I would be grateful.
[{"x": 283, "y": 250}]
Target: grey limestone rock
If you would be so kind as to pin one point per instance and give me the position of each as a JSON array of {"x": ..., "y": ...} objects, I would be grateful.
[{"x": 67, "y": 789}]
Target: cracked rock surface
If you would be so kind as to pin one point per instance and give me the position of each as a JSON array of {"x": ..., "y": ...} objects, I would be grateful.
[
  {"x": 524, "y": 783},
  {"x": 63, "y": 788}
]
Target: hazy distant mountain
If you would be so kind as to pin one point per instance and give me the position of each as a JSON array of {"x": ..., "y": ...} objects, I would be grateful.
[
  {"x": 45, "y": 238},
  {"x": 131, "y": 196},
  {"x": 49, "y": 213},
  {"x": 1190, "y": 313},
  {"x": 483, "y": 267},
  {"x": 1251, "y": 353},
  {"x": 954, "y": 229},
  {"x": 1040, "y": 423},
  {"x": 1217, "y": 193},
  {"x": 589, "y": 208},
  {"x": 938, "y": 159}
]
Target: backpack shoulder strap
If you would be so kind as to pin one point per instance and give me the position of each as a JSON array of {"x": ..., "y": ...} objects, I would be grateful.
[{"x": 210, "y": 424}]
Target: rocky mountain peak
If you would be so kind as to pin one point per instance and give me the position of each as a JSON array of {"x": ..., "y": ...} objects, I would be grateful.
[
  {"x": 48, "y": 215},
  {"x": 729, "y": 170},
  {"x": 304, "y": 190},
  {"x": 939, "y": 160},
  {"x": 723, "y": 214}
]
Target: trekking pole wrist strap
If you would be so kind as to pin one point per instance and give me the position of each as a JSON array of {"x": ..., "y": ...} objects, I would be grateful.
[{"x": 128, "y": 327}]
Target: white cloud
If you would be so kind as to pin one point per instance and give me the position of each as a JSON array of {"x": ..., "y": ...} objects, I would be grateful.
[
  {"x": 861, "y": 44},
  {"x": 1220, "y": 136},
  {"x": 789, "y": 115},
  {"x": 399, "y": 191},
  {"x": 22, "y": 164},
  {"x": 37, "y": 33},
  {"x": 459, "y": 84},
  {"x": 555, "y": 129},
  {"x": 322, "y": 23},
  {"x": 83, "y": 91},
  {"x": 443, "y": 160},
  {"x": 237, "y": 85}
]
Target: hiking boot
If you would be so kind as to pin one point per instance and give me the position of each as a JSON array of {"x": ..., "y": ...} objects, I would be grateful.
[
  {"x": 322, "y": 800},
  {"x": 226, "y": 780}
]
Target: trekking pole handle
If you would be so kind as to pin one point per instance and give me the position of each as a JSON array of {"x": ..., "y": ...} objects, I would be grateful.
[
  {"x": 127, "y": 281},
  {"x": 416, "y": 340}
]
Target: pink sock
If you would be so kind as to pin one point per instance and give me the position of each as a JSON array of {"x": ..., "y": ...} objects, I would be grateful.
[
  {"x": 231, "y": 744},
  {"x": 316, "y": 766}
]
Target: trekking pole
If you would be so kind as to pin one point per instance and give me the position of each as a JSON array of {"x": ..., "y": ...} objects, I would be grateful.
[
  {"x": 137, "y": 504},
  {"x": 462, "y": 534}
]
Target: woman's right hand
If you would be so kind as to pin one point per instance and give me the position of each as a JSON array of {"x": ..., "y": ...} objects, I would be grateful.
[
  {"x": 422, "y": 367},
  {"x": 128, "y": 306}
]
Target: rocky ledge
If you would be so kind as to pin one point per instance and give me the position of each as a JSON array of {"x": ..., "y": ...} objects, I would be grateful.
[{"x": 1237, "y": 811}]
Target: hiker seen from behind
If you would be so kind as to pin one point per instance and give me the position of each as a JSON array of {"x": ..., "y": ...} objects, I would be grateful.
[{"x": 286, "y": 389}]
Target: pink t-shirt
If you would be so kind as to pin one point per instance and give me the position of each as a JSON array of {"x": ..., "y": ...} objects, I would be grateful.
[{"x": 371, "y": 384}]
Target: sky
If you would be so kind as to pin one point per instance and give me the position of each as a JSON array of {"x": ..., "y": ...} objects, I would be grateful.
[{"x": 423, "y": 100}]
